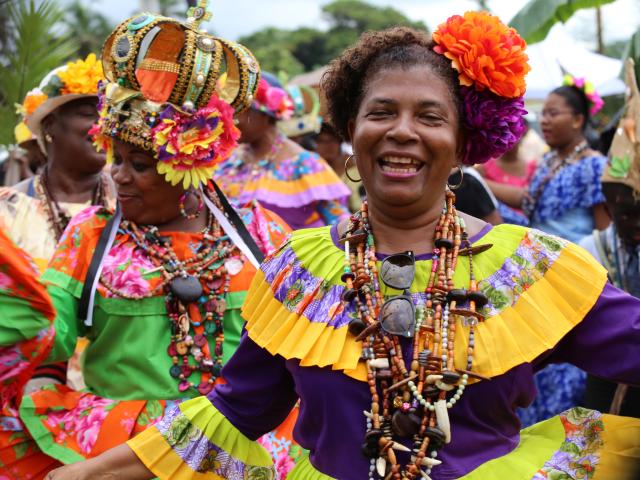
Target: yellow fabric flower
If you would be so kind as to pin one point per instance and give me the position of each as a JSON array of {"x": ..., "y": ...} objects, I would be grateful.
[{"x": 81, "y": 76}]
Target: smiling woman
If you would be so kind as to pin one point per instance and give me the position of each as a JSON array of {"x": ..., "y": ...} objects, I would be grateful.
[
  {"x": 157, "y": 284},
  {"x": 411, "y": 363}
]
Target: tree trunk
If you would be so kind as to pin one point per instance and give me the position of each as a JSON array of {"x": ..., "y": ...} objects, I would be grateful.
[{"x": 599, "y": 30}]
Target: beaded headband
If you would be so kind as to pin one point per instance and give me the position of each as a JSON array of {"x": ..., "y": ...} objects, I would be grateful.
[
  {"x": 306, "y": 109},
  {"x": 491, "y": 65},
  {"x": 587, "y": 88},
  {"x": 173, "y": 90}
]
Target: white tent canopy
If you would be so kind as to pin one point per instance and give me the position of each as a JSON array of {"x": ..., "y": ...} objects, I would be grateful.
[{"x": 559, "y": 49}]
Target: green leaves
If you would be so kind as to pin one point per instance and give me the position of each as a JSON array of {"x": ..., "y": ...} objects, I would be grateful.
[
  {"x": 37, "y": 47},
  {"x": 305, "y": 49},
  {"x": 620, "y": 166},
  {"x": 536, "y": 18}
]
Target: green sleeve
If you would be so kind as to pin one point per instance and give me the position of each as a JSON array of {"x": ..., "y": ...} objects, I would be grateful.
[
  {"x": 20, "y": 320},
  {"x": 66, "y": 324}
]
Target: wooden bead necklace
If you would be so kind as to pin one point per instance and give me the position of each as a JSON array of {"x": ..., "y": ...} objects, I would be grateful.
[
  {"x": 409, "y": 400},
  {"x": 58, "y": 218},
  {"x": 192, "y": 286}
]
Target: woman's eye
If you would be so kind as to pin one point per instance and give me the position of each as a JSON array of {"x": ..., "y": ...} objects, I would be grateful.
[
  {"x": 379, "y": 113},
  {"x": 139, "y": 167},
  {"x": 431, "y": 118}
]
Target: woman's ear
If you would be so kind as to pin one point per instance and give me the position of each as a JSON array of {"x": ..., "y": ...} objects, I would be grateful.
[
  {"x": 351, "y": 126},
  {"x": 462, "y": 148}
]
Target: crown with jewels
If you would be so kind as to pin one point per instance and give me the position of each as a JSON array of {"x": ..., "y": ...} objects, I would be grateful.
[{"x": 172, "y": 89}]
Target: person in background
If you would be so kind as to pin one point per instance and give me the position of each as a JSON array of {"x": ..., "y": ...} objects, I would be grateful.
[
  {"x": 618, "y": 247},
  {"x": 268, "y": 167},
  {"x": 509, "y": 169},
  {"x": 331, "y": 148},
  {"x": 59, "y": 113},
  {"x": 25, "y": 160},
  {"x": 565, "y": 199},
  {"x": 305, "y": 122},
  {"x": 473, "y": 196},
  {"x": 565, "y": 195}
]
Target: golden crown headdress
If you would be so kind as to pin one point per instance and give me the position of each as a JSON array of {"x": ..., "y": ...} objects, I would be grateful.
[{"x": 172, "y": 90}]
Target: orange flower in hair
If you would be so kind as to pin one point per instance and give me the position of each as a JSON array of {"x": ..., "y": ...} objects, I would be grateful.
[{"x": 486, "y": 53}]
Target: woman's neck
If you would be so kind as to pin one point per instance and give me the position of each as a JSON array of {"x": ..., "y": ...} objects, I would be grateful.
[
  {"x": 69, "y": 186},
  {"x": 261, "y": 147},
  {"x": 395, "y": 232},
  {"x": 566, "y": 150}
]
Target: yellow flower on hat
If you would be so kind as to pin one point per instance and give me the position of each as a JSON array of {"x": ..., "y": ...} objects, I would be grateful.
[
  {"x": 81, "y": 76},
  {"x": 22, "y": 133}
]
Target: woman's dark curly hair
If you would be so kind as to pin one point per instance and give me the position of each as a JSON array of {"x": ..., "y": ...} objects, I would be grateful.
[{"x": 345, "y": 81}]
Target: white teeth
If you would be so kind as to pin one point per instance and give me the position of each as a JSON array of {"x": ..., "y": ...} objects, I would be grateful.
[
  {"x": 402, "y": 160},
  {"x": 386, "y": 168}
]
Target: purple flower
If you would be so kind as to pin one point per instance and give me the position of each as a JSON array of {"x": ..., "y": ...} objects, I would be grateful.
[{"x": 494, "y": 124}]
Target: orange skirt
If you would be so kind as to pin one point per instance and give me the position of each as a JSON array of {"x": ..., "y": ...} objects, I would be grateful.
[{"x": 66, "y": 426}]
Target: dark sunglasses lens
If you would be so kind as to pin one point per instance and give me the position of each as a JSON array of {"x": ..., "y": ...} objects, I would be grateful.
[
  {"x": 397, "y": 271},
  {"x": 397, "y": 316}
]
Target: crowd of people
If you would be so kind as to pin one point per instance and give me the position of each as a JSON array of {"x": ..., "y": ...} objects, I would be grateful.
[{"x": 206, "y": 273}]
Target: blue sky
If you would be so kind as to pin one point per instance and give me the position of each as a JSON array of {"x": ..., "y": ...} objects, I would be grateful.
[{"x": 239, "y": 17}]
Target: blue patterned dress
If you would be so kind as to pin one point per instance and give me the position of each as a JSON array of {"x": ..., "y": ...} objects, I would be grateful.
[{"x": 563, "y": 209}]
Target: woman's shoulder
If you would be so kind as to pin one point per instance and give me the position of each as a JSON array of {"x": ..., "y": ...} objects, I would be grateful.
[{"x": 78, "y": 242}]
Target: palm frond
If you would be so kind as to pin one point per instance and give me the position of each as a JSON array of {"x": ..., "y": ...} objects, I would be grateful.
[{"x": 37, "y": 46}]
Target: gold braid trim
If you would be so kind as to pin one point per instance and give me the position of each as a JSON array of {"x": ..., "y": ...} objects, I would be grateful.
[
  {"x": 159, "y": 66},
  {"x": 180, "y": 89}
]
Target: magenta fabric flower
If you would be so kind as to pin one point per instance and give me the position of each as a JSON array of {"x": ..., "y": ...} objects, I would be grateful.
[{"x": 494, "y": 124}]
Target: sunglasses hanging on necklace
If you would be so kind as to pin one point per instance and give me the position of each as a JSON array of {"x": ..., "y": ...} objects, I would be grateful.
[{"x": 410, "y": 397}]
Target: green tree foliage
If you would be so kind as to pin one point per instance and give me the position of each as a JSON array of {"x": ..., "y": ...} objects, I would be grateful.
[
  {"x": 87, "y": 27},
  {"x": 535, "y": 19},
  {"x": 309, "y": 48},
  {"x": 35, "y": 45}
]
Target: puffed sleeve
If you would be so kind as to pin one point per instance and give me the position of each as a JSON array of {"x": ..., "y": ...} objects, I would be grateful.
[
  {"x": 26, "y": 330},
  {"x": 607, "y": 341},
  {"x": 215, "y": 437}
]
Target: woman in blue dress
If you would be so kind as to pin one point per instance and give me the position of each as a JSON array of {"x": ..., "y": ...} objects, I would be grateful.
[{"x": 565, "y": 199}]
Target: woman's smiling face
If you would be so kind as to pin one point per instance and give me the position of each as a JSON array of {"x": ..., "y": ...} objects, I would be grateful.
[{"x": 405, "y": 137}]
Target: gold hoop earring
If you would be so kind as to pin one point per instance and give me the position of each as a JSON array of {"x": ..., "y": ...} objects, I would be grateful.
[
  {"x": 48, "y": 138},
  {"x": 346, "y": 170},
  {"x": 459, "y": 184}
]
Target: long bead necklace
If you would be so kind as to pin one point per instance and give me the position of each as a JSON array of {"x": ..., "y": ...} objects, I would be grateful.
[
  {"x": 57, "y": 217},
  {"x": 410, "y": 399},
  {"x": 198, "y": 283}
]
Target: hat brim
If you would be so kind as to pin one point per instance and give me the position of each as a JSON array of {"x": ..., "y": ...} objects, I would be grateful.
[{"x": 34, "y": 121}]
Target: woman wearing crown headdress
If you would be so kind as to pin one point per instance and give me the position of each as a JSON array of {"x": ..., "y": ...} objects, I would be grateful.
[
  {"x": 268, "y": 167},
  {"x": 157, "y": 284},
  {"x": 411, "y": 332}
]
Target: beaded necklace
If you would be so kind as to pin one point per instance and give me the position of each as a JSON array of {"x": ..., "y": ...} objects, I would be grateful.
[
  {"x": 555, "y": 164},
  {"x": 57, "y": 217},
  {"x": 410, "y": 399},
  {"x": 200, "y": 282}
]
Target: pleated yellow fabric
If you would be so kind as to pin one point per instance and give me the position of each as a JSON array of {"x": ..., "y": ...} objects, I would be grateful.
[
  {"x": 620, "y": 457},
  {"x": 199, "y": 427},
  {"x": 539, "y": 287}
]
